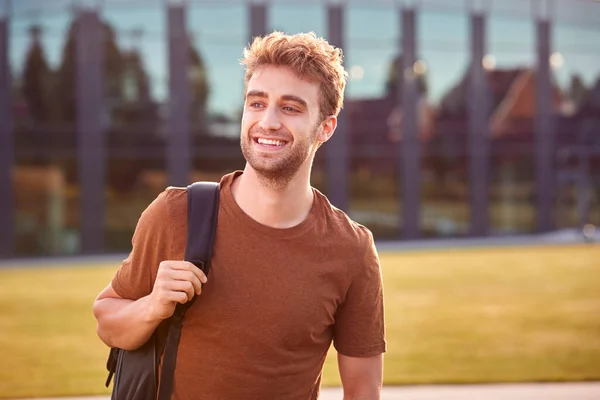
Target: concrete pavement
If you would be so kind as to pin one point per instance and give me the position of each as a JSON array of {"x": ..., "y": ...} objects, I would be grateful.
[
  {"x": 525, "y": 391},
  {"x": 529, "y": 391}
]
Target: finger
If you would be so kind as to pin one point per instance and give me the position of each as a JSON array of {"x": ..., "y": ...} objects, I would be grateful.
[
  {"x": 188, "y": 266},
  {"x": 175, "y": 297},
  {"x": 199, "y": 273},
  {"x": 187, "y": 276},
  {"x": 186, "y": 287},
  {"x": 180, "y": 297}
]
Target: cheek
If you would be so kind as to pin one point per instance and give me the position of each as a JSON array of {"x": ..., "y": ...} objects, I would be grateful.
[
  {"x": 246, "y": 123},
  {"x": 300, "y": 127}
]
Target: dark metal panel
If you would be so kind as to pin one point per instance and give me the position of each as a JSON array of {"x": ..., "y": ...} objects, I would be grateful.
[
  {"x": 479, "y": 154},
  {"x": 7, "y": 230},
  {"x": 410, "y": 152},
  {"x": 337, "y": 154},
  {"x": 544, "y": 129},
  {"x": 178, "y": 125},
  {"x": 258, "y": 14},
  {"x": 91, "y": 135}
]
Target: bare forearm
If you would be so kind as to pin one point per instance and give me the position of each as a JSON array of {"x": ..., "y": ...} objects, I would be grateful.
[
  {"x": 361, "y": 377},
  {"x": 124, "y": 323},
  {"x": 367, "y": 394}
]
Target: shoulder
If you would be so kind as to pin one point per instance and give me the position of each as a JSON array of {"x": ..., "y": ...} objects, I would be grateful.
[
  {"x": 166, "y": 198},
  {"x": 347, "y": 231},
  {"x": 175, "y": 198},
  {"x": 168, "y": 205}
]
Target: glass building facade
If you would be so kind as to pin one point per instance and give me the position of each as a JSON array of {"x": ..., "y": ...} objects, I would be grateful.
[{"x": 462, "y": 118}]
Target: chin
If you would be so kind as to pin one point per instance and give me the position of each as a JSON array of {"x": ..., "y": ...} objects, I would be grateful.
[{"x": 269, "y": 169}]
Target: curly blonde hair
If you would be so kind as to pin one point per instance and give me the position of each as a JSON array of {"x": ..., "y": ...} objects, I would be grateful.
[{"x": 309, "y": 56}]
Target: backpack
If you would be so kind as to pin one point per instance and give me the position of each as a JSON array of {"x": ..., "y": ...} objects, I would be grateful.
[{"x": 136, "y": 371}]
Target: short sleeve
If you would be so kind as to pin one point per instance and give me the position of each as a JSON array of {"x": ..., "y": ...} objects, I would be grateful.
[
  {"x": 359, "y": 329},
  {"x": 151, "y": 244}
]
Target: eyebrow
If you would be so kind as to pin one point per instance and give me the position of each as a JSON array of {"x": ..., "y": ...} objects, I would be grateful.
[{"x": 288, "y": 97}]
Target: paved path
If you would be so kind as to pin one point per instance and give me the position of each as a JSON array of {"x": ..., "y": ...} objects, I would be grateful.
[
  {"x": 570, "y": 391},
  {"x": 527, "y": 391}
]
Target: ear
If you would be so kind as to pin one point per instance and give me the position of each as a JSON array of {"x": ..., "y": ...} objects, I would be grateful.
[{"x": 328, "y": 126}]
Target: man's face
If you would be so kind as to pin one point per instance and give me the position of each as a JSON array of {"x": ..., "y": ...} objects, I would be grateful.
[{"x": 281, "y": 125}]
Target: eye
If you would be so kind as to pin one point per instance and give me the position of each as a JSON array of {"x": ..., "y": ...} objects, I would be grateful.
[
  {"x": 256, "y": 105},
  {"x": 290, "y": 109}
]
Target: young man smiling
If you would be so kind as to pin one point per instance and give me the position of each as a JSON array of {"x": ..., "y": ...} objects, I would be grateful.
[{"x": 290, "y": 273}]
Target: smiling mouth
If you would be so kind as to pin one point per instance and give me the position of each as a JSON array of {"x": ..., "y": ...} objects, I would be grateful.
[{"x": 270, "y": 142}]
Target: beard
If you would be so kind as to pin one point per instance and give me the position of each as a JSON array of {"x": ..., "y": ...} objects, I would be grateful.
[{"x": 277, "y": 170}]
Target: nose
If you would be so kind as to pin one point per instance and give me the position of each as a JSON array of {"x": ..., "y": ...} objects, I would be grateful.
[{"x": 270, "y": 120}]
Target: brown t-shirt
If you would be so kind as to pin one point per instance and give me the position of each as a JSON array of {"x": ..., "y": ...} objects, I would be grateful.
[{"x": 274, "y": 301}]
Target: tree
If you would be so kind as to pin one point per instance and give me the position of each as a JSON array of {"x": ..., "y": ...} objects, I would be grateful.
[
  {"x": 391, "y": 84},
  {"x": 66, "y": 89},
  {"x": 199, "y": 89},
  {"x": 37, "y": 79},
  {"x": 577, "y": 91}
]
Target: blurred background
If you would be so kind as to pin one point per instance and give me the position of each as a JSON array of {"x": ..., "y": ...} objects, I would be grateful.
[{"x": 462, "y": 118}]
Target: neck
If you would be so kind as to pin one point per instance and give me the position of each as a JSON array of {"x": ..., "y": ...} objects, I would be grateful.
[{"x": 274, "y": 205}]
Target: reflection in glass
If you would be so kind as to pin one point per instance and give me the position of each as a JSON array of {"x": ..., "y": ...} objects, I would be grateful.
[
  {"x": 45, "y": 175},
  {"x": 135, "y": 94},
  {"x": 43, "y": 63},
  {"x": 576, "y": 65},
  {"x": 443, "y": 123},
  {"x": 218, "y": 35},
  {"x": 371, "y": 56},
  {"x": 293, "y": 18},
  {"x": 511, "y": 78}
]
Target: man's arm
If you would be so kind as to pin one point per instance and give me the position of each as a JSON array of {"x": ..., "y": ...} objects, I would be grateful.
[
  {"x": 359, "y": 330},
  {"x": 361, "y": 376},
  {"x": 123, "y": 323},
  {"x": 128, "y": 324}
]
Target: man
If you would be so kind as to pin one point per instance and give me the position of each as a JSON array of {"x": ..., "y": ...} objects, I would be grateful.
[{"x": 290, "y": 273}]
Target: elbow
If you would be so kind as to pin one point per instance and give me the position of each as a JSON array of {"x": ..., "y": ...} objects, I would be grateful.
[
  {"x": 103, "y": 336},
  {"x": 102, "y": 325},
  {"x": 101, "y": 331},
  {"x": 108, "y": 330},
  {"x": 108, "y": 338}
]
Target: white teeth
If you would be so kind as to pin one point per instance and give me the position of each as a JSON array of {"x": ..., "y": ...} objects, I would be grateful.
[{"x": 270, "y": 142}]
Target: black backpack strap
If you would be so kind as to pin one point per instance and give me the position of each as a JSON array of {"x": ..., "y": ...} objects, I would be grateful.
[{"x": 203, "y": 206}]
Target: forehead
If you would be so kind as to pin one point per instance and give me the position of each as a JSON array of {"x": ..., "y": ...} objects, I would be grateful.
[{"x": 277, "y": 81}]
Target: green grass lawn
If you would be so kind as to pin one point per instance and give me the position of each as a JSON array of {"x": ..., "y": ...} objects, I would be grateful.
[{"x": 453, "y": 316}]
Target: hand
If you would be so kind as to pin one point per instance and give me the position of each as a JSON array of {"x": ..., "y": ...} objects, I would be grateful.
[{"x": 176, "y": 282}]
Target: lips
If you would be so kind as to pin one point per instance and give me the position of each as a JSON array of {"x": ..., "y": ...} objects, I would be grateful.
[
  {"x": 270, "y": 139},
  {"x": 271, "y": 142}
]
